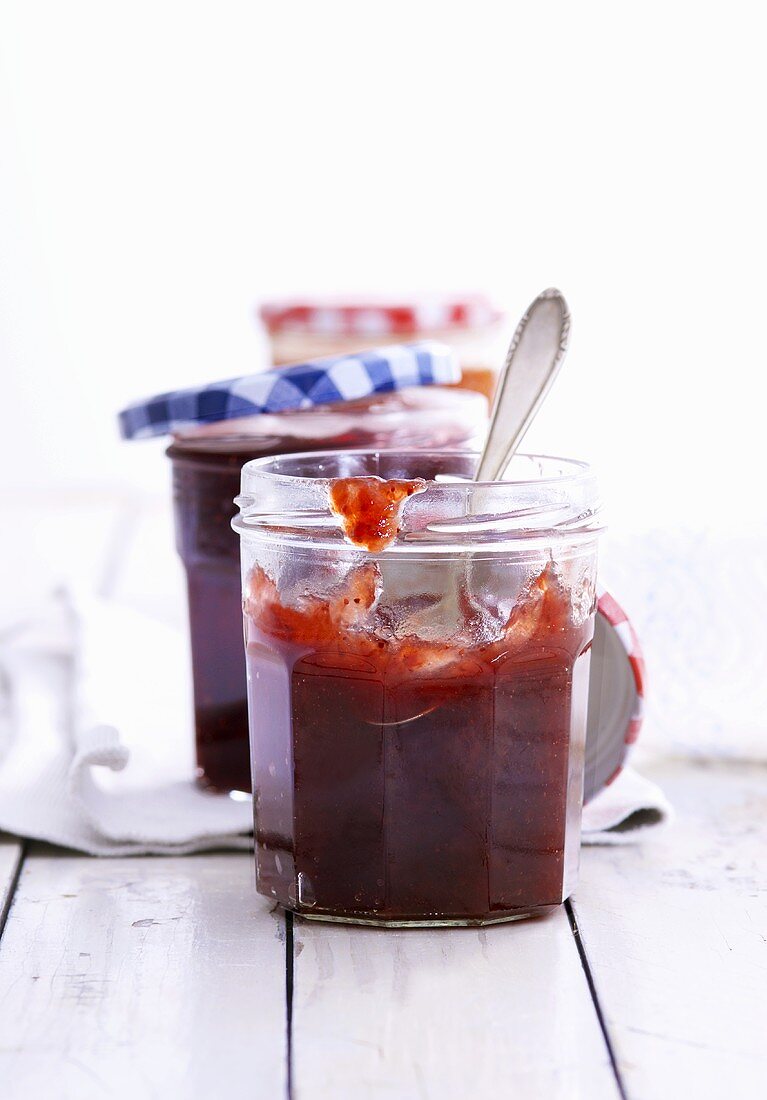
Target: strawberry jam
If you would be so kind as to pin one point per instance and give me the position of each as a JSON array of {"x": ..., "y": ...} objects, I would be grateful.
[
  {"x": 402, "y": 777},
  {"x": 369, "y": 508}
]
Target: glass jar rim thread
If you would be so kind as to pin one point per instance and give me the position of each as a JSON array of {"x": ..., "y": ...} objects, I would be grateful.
[{"x": 542, "y": 499}]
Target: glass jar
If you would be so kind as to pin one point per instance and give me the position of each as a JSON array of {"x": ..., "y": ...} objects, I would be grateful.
[
  {"x": 207, "y": 461},
  {"x": 417, "y": 710},
  {"x": 472, "y": 326}
]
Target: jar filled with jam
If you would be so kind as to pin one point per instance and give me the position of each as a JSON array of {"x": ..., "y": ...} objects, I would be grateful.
[
  {"x": 471, "y": 325},
  {"x": 418, "y": 653},
  {"x": 216, "y": 430}
]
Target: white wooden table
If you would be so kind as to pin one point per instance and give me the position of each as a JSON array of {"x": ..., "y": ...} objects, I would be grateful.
[{"x": 172, "y": 978}]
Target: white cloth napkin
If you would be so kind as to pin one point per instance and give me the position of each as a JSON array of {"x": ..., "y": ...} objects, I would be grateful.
[
  {"x": 626, "y": 811},
  {"x": 95, "y": 750}
]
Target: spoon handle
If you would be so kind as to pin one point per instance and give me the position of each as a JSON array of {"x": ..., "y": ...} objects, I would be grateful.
[{"x": 533, "y": 360}]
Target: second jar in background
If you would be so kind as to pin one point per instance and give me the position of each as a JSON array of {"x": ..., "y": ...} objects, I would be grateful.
[
  {"x": 472, "y": 326},
  {"x": 206, "y": 478}
]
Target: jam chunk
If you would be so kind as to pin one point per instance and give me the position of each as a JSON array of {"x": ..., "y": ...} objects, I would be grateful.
[{"x": 370, "y": 508}]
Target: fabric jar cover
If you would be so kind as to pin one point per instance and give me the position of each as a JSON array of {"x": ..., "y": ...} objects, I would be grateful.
[{"x": 299, "y": 386}]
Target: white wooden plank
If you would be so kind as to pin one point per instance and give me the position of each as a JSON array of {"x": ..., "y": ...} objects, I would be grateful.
[
  {"x": 10, "y": 857},
  {"x": 445, "y": 1014},
  {"x": 131, "y": 978},
  {"x": 676, "y": 934}
]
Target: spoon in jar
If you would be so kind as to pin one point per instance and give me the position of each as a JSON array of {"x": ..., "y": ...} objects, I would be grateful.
[
  {"x": 535, "y": 355},
  {"x": 534, "y": 358}
]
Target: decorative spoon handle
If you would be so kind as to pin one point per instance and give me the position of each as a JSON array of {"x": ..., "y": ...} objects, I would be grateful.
[{"x": 534, "y": 358}]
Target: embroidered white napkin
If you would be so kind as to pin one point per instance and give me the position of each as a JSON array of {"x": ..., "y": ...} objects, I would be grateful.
[{"x": 95, "y": 750}]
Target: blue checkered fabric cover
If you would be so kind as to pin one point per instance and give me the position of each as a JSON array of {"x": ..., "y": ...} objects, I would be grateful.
[{"x": 320, "y": 382}]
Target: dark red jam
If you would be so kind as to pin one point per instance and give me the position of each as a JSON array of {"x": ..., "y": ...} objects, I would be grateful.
[
  {"x": 400, "y": 779},
  {"x": 369, "y": 508},
  {"x": 205, "y": 484}
]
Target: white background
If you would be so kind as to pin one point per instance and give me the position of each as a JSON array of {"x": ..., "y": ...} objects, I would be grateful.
[{"x": 167, "y": 164}]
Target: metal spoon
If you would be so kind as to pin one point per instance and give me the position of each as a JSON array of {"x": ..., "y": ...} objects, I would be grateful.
[
  {"x": 533, "y": 360},
  {"x": 535, "y": 355}
]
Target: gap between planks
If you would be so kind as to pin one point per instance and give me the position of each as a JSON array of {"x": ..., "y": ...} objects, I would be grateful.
[
  {"x": 12, "y": 852},
  {"x": 590, "y": 981},
  {"x": 289, "y": 979},
  {"x": 676, "y": 928}
]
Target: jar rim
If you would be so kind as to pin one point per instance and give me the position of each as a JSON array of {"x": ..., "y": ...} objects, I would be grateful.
[
  {"x": 286, "y": 498},
  {"x": 581, "y": 471}
]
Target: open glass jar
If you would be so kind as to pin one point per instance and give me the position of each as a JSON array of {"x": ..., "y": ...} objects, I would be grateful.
[{"x": 417, "y": 711}]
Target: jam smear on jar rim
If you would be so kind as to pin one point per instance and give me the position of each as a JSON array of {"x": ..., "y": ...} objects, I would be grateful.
[{"x": 370, "y": 508}]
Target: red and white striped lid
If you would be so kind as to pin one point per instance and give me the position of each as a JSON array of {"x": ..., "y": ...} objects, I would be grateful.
[
  {"x": 616, "y": 695},
  {"x": 376, "y": 319}
]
